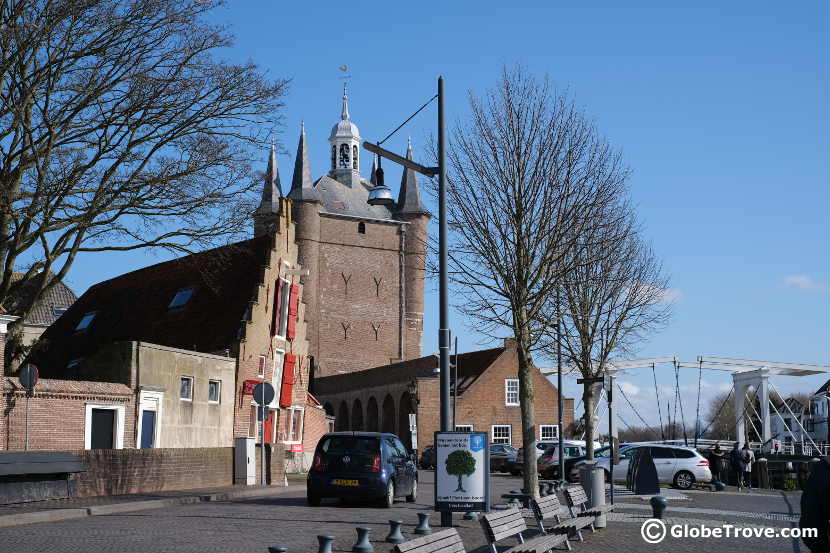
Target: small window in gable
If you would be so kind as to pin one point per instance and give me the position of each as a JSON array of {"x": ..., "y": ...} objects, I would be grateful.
[
  {"x": 181, "y": 298},
  {"x": 361, "y": 228},
  {"x": 86, "y": 320}
]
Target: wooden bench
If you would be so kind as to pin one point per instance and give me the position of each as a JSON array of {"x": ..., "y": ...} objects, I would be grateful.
[
  {"x": 550, "y": 508},
  {"x": 509, "y": 523},
  {"x": 443, "y": 541},
  {"x": 578, "y": 503}
]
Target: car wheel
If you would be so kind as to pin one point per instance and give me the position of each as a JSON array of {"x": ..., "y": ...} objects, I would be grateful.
[
  {"x": 413, "y": 496},
  {"x": 313, "y": 500},
  {"x": 389, "y": 498},
  {"x": 684, "y": 480}
]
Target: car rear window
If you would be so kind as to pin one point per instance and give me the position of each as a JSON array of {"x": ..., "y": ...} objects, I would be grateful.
[
  {"x": 350, "y": 444},
  {"x": 684, "y": 453}
]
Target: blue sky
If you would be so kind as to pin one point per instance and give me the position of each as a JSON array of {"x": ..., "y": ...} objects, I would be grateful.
[{"x": 720, "y": 109}]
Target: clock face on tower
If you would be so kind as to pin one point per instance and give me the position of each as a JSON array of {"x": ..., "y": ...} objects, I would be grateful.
[{"x": 344, "y": 156}]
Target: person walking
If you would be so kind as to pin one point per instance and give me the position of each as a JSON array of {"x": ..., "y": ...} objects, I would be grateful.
[
  {"x": 815, "y": 506},
  {"x": 748, "y": 458},
  {"x": 716, "y": 462},
  {"x": 736, "y": 459}
]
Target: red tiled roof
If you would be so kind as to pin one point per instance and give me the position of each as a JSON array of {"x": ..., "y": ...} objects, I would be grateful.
[
  {"x": 133, "y": 306},
  {"x": 471, "y": 365}
]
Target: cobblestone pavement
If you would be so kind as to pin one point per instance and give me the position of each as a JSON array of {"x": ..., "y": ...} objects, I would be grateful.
[{"x": 250, "y": 526}]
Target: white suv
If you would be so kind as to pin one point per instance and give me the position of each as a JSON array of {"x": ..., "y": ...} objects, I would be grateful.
[{"x": 677, "y": 465}]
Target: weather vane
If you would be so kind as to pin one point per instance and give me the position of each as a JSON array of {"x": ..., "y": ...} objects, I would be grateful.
[{"x": 345, "y": 69}]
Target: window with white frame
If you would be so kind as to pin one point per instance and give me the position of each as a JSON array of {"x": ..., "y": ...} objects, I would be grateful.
[
  {"x": 511, "y": 391},
  {"x": 463, "y": 427},
  {"x": 263, "y": 360},
  {"x": 293, "y": 427},
  {"x": 501, "y": 434},
  {"x": 214, "y": 391},
  {"x": 548, "y": 432},
  {"x": 285, "y": 292},
  {"x": 186, "y": 388}
]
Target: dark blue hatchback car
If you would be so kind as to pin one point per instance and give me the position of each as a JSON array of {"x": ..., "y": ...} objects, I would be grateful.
[{"x": 362, "y": 465}]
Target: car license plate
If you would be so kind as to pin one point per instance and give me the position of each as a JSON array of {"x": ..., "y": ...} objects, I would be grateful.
[{"x": 344, "y": 482}]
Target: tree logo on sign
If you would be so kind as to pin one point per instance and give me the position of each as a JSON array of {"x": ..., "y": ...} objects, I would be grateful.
[{"x": 460, "y": 463}]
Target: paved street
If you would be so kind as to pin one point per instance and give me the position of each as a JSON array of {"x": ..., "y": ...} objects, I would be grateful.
[{"x": 243, "y": 526}]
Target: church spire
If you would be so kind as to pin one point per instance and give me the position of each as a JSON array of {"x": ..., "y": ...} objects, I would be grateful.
[
  {"x": 302, "y": 187},
  {"x": 409, "y": 197},
  {"x": 269, "y": 206},
  {"x": 344, "y": 114}
]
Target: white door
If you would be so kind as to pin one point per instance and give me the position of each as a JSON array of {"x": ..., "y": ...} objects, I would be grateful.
[{"x": 148, "y": 426}]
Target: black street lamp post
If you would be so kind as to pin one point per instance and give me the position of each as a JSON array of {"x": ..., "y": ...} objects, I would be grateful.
[{"x": 381, "y": 195}]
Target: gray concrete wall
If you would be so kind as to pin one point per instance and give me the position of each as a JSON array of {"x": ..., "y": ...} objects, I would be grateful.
[{"x": 196, "y": 423}]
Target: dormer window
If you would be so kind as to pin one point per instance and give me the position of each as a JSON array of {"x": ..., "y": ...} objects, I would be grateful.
[
  {"x": 86, "y": 320},
  {"x": 181, "y": 298},
  {"x": 58, "y": 311}
]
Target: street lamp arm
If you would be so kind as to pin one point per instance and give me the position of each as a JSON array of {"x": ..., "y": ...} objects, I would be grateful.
[{"x": 375, "y": 149}]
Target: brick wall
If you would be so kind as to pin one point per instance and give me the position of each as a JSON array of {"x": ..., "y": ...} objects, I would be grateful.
[
  {"x": 57, "y": 413},
  {"x": 125, "y": 471},
  {"x": 316, "y": 424}
]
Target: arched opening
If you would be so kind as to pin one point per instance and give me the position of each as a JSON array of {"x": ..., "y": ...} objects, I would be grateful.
[
  {"x": 329, "y": 409},
  {"x": 357, "y": 415},
  {"x": 372, "y": 415},
  {"x": 404, "y": 409},
  {"x": 389, "y": 419},
  {"x": 342, "y": 420}
]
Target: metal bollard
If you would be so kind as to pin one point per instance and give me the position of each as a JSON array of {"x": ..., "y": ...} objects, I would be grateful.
[
  {"x": 363, "y": 545},
  {"x": 423, "y": 524},
  {"x": 395, "y": 535},
  {"x": 325, "y": 544},
  {"x": 551, "y": 488},
  {"x": 658, "y": 505},
  {"x": 277, "y": 549}
]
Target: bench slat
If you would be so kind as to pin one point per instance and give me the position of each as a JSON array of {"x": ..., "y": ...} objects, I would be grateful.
[{"x": 443, "y": 541}]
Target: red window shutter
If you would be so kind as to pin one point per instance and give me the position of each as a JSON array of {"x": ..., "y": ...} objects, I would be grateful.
[
  {"x": 293, "y": 311},
  {"x": 275, "y": 318},
  {"x": 287, "y": 388}
]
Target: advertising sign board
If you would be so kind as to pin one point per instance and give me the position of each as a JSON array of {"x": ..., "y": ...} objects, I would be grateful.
[{"x": 462, "y": 472}]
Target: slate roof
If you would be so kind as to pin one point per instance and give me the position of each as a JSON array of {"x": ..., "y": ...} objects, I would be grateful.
[
  {"x": 340, "y": 199},
  {"x": 134, "y": 306},
  {"x": 471, "y": 365},
  {"x": 43, "y": 313}
]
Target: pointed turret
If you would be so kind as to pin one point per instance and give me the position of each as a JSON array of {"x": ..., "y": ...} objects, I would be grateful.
[
  {"x": 373, "y": 176},
  {"x": 409, "y": 198},
  {"x": 267, "y": 213},
  {"x": 302, "y": 187}
]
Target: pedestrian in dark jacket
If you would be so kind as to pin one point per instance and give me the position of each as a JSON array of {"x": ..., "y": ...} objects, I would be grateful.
[
  {"x": 716, "y": 462},
  {"x": 815, "y": 506},
  {"x": 736, "y": 457}
]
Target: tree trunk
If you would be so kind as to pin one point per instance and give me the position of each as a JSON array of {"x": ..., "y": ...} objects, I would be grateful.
[
  {"x": 588, "y": 397},
  {"x": 531, "y": 477}
]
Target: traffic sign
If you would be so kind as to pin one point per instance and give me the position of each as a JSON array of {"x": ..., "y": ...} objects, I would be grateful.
[
  {"x": 28, "y": 374},
  {"x": 263, "y": 393}
]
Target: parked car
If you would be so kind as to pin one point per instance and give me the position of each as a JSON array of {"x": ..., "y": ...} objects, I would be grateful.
[
  {"x": 427, "y": 460},
  {"x": 548, "y": 463},
  {"x": 502, "y": 457},
  {"x": 679, "y": 466},
  {"x": 540, "y": 446},
  {"x": 362, "y": 465}
]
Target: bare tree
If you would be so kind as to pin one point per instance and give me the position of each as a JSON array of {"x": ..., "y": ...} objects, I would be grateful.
[
  {"x": 720, "y": 417},
  {"x": 526, "y": 175},
  {"x": 612, "y": 297},
  {"x": 119, "y": 130}
]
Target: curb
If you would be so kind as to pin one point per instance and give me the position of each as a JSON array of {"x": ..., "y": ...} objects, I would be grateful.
[
  {"x": 51, "y": 515},
  {"x": 56, "y": 515}
]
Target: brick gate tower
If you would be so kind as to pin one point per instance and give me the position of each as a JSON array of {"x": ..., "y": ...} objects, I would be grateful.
[{"x": 364, "y": 294}]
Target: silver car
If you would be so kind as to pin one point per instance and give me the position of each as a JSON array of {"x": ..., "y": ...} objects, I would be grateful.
[{"x": 679, "y": 466}]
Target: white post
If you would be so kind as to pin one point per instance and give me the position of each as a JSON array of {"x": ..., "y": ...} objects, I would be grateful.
[
  {"x": 763, "y": 402},
  {"x": 740, "y": 423}
]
